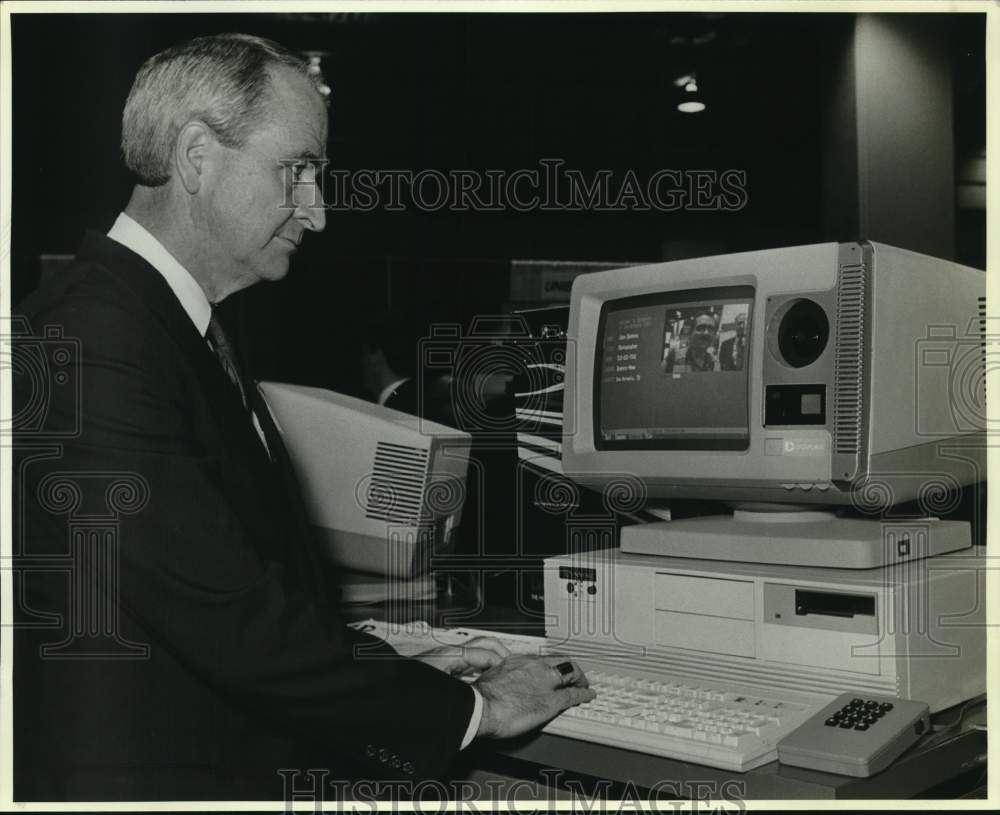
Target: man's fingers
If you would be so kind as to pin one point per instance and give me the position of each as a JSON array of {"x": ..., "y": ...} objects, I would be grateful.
[
  {"x": 576, "y": 696},
  {"x": 481, "y": 659},
  {"x": 490, "y": 644}
]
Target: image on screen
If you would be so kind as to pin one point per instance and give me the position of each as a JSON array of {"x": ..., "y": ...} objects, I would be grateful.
[{"x": 672, "y": 371}]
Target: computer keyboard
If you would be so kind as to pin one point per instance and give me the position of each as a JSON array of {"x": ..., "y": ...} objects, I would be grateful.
[
  {"x": 716, "y": 724},
  {"x": 694, "y": 721}
]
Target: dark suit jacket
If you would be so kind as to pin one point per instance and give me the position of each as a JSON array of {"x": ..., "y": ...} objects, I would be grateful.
[
  {"x": 726, "y": 362},
  {"x": 215, "y": 654}
]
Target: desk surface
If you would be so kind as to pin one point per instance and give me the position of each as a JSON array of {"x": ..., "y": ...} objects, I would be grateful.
[
  {"x": 541, "y": 757},
  {"x": 567, "y": 766}
]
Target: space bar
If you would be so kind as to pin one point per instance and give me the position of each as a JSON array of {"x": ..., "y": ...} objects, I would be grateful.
[{"x": 659, "y": 744}]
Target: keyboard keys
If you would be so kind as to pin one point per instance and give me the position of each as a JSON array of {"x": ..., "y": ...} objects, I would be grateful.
[
  {"x": 721, "y": 728},
  {"x": 687, "y": 719}
]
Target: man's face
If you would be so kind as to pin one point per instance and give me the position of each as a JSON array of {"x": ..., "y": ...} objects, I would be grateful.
[
  {"x": 741, "y": 325},
  {"x": 704, "y": 331},
  {"x": 259, "y": 206}
]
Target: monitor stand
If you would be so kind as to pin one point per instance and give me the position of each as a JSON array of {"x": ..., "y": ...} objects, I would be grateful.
[{"x": 798, "y": 538}]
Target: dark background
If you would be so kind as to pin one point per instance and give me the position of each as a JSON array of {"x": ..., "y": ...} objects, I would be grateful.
[{"x": 488, "y": 91}]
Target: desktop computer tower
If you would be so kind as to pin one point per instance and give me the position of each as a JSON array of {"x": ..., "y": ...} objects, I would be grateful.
[{"x": 914, "y": 630}]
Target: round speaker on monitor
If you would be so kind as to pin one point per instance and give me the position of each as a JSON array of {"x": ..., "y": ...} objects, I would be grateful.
[{"x": 799, "y": 332}]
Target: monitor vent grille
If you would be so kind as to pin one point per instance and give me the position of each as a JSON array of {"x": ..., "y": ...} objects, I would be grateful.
[
  {"x": 849, "y": 363},
  {"x": 396, "y": 489}
]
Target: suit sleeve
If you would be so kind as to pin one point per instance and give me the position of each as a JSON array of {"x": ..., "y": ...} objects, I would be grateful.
[{"x": 192, "y": 575}]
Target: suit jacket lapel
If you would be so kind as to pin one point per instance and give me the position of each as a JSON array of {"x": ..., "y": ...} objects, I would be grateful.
[
  {"x": 150, "y": 289},
  {"x": 239, "y": 436}
]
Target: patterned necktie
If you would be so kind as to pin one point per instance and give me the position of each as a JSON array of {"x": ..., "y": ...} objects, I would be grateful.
[{"x": 227, "y": 356}]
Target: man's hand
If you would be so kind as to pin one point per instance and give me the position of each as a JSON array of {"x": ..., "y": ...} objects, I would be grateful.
[
  {"x": 477, "y": 655},
  {"x": 524, "y": 692}
]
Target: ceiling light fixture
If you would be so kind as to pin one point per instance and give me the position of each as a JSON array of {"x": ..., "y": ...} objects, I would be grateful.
[
  {"x": 315, "y": 70},
  {"x": 693, "y": 106}
]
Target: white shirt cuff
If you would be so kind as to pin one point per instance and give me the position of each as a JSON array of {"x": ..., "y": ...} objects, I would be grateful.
[{"x": 477, "y": 717}]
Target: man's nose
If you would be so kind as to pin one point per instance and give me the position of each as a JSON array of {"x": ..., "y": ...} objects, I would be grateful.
[{"x": 309, "y": 209}]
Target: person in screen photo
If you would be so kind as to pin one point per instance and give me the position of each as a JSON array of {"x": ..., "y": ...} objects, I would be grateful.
[
  {"x": 699, "y": 355},
  {"x": 732, "y": 352}
]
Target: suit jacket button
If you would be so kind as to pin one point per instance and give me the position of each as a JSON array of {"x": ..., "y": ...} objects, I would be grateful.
[{"x": 408, "y": 768}]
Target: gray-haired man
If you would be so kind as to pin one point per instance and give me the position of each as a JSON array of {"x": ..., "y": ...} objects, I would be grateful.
[{"x": 221, "y": 657}]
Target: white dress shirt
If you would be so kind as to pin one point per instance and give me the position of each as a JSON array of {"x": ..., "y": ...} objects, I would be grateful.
[
  {"x": 191, "y": 296},
  {"x": 133, "y": 235}
]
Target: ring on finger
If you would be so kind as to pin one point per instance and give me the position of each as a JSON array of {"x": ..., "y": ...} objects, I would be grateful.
[{"x": 565, "y": 671}]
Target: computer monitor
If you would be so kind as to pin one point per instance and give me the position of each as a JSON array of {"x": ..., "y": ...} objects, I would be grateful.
[
  {"x": 835, "y": 374},
  {"x": 383, "y": 489}
]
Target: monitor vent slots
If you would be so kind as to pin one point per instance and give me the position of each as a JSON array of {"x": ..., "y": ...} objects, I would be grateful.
[
  {"x": 849, "y": 364},
  {"x": 395, "y": 490}
]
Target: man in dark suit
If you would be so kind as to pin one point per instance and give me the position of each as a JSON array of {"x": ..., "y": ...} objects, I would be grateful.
[
  {"x": 732, "y": 352},
  {"x": 175, "y": 637}
]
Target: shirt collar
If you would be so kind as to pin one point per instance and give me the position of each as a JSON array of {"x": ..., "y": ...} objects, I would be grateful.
[{"x": 132, "y": 235}]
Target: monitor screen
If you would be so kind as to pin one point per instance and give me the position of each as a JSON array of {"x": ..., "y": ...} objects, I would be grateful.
[{"x": 671, "y": 371}]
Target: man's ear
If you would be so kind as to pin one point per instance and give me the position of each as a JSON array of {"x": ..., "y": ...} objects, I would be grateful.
[{"x": 190, "y": 152}]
